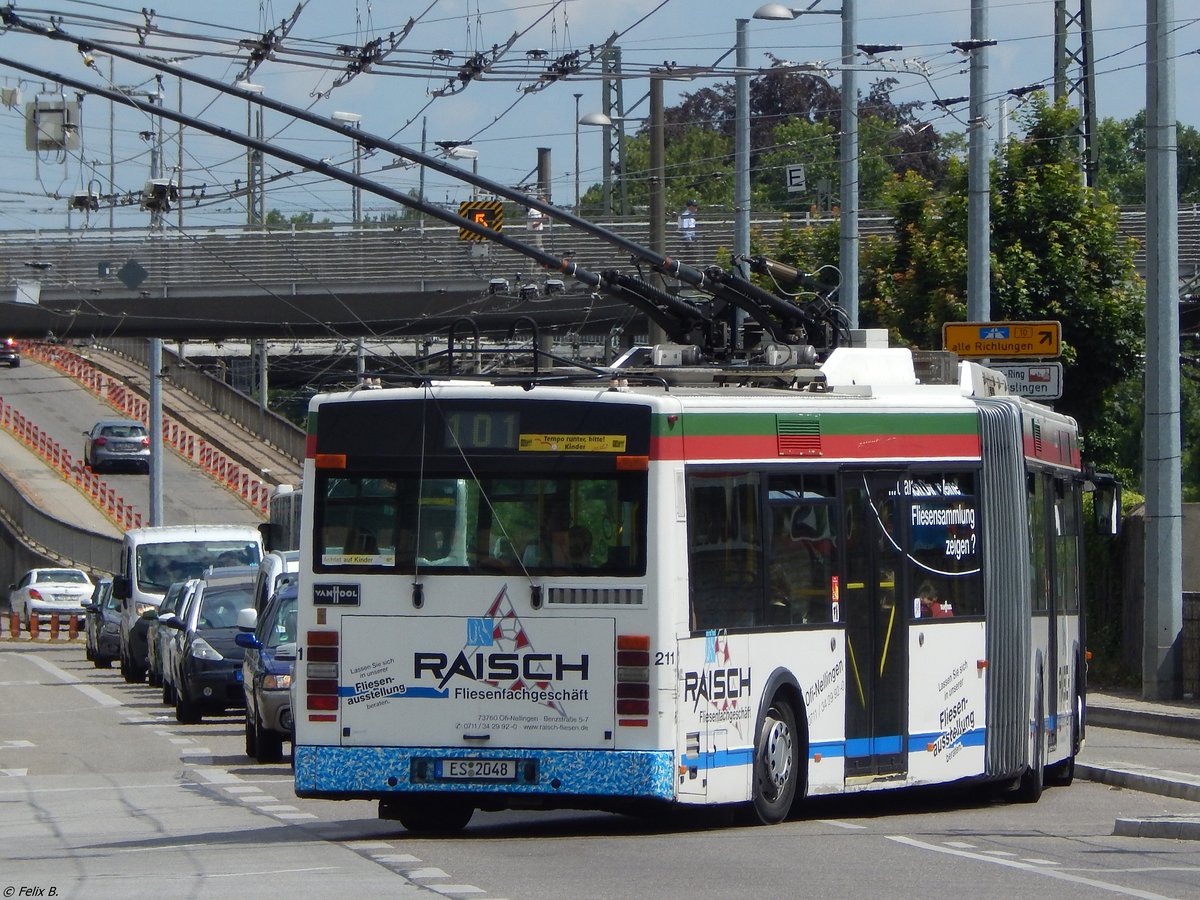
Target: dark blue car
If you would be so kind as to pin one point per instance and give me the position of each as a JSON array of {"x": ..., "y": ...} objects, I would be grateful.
[{"x": 267, "y": 675}]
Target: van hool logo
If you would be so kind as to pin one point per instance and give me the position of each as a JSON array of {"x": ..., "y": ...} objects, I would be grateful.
[{"x": 337, "y": 594}]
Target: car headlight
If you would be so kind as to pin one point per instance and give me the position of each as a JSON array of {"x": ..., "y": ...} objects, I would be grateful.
[
  {"x": 202, "y": 649},
  {"x": 276, "y": 682}
]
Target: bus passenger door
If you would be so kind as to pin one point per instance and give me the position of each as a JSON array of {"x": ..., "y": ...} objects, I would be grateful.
[{"x": 875, "y": 634}]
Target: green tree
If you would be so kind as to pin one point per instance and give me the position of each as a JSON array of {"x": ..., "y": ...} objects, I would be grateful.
[
  {"x": 1121, "y": 160},
  {"x": 1056, "y": 254}
]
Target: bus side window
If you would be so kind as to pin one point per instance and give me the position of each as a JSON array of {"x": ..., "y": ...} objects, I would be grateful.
[{"x": 725, "y": 553}]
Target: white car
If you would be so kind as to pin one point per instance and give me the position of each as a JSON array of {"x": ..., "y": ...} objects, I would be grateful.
[{"x": 46, "y": 591}]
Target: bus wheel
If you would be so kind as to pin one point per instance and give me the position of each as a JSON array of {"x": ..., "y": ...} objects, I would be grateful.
[
  {"x": 1061, "y": 774},
  {"x": 776, "y": 763},
  {"x": 428, "y": 815},
  {"x": 1029, "y": 789}
]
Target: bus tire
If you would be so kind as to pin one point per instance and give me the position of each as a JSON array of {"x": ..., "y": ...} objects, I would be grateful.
[
  {"x": 776, "y": 763},
  {"x": 1061, "y": 774},
  {"x": 1029, "y": 788},
  {"x": 428, "y": 815}
]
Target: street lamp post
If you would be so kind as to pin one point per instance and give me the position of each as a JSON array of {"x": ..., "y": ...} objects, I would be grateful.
[
  {"x": 848, "y": 249},
  {"x": 459, "y": 151},
  {"x": 577, "y": 97}
]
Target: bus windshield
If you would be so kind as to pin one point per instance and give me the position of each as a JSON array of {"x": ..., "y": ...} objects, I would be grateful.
[{"x": 494, "y": 523}]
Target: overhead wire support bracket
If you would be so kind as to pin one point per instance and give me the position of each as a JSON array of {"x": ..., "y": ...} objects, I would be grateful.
[{"x": 264, "y": 48}]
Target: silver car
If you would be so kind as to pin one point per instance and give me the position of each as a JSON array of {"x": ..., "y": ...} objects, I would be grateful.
[{"x": 117, "y": 444}]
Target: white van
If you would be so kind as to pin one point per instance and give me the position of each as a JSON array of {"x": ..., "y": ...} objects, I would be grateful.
[
  {"x": 276, "y": 567},
  {"x": 152, "y": 559}
]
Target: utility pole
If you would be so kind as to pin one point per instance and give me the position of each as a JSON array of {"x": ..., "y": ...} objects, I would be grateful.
[
  {"x": 1080, "y": 85},
  {"x": 979, "y": 187},
  {"x": 848, "y": 251},
  {"x": 1162, "y": 663},
  {"x": 741, "y": 149},
  {"x": 613, "y": 103},
  {"x": 658, "y": 191},
  {"x": 155, "y": 348}
]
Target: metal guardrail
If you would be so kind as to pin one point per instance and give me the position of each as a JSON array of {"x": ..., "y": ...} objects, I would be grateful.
[{"x": 56, "y": 540}]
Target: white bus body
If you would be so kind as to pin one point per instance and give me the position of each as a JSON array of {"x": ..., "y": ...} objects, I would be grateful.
[{"x": 787, "y": 593}]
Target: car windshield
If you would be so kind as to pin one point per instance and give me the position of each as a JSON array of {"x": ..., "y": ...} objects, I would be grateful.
[
  {"x": 219, "y": 607},
  {"x": 160, "y": 565},
  {"x": 62, "y": 576}
]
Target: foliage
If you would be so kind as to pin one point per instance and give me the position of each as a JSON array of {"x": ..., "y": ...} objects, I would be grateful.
[
  {"x": 1056, "y": 253},
  {"x": 276, "y": 219},
  {"x": 1121, "y": 156},
  {"x": 794, "y": 119}
]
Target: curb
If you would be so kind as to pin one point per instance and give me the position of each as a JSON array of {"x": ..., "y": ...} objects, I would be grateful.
[
  {"x": 1165, "y": 724},
  {"x": 1144, "y": 780},
  {"x": 1174, "y": 828}
]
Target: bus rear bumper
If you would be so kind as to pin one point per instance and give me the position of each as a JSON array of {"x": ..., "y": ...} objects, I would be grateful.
[{"x": 376, "y": 772}]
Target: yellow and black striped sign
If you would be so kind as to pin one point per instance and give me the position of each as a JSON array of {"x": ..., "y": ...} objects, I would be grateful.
[{"x": 488, "y": 213}]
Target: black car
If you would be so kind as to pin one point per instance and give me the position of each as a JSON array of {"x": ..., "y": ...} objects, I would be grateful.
[
  {"x": 10, "y": 353},
  {"x": 208, "y": 669},
  {"x": 267, "y": 675},
  {"x": 102, "y": 624}
]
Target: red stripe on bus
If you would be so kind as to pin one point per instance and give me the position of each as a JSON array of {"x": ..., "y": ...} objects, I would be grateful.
[{"x": 855, "y": 446}]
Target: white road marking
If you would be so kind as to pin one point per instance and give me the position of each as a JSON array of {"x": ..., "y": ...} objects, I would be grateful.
[
  {"x": 14, "y": 773},
  {"x": 1018, "y": 864},
  {"x": 429, "y": 872},
  {"x": 839, "y": 824},
  {"x": 87, "y": 690}
]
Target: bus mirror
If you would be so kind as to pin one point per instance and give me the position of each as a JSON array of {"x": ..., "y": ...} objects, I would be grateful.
[
  {"x": 120, "y": 587},
  {"x": 1106, "y": 503}
]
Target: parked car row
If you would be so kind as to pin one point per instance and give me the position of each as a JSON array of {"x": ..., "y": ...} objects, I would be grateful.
[
  {"x": 210, "y": 652},
  {"x": 221, "y": 642}
]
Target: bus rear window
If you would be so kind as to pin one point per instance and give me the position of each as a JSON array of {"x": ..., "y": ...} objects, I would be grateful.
[{"x": 577, "y": 523}]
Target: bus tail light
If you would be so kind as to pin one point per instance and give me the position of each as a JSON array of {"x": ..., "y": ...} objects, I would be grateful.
[
  {"x": 322, "y": 676},
  {"x": 633, "y": 680}
]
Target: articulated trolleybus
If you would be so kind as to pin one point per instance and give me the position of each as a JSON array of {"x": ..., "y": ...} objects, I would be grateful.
[{"x": 620, "y": 592}]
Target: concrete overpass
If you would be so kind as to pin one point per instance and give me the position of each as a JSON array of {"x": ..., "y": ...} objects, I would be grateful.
[{"x": 372, "y": 280}]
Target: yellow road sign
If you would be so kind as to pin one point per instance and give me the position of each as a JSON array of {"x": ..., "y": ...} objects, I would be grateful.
[
  {"x": 488, "y": 213},
  {"x": 1003, "y": 339}
]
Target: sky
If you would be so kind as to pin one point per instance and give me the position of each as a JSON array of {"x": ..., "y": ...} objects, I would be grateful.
[{"x": 412, "y": 95}]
